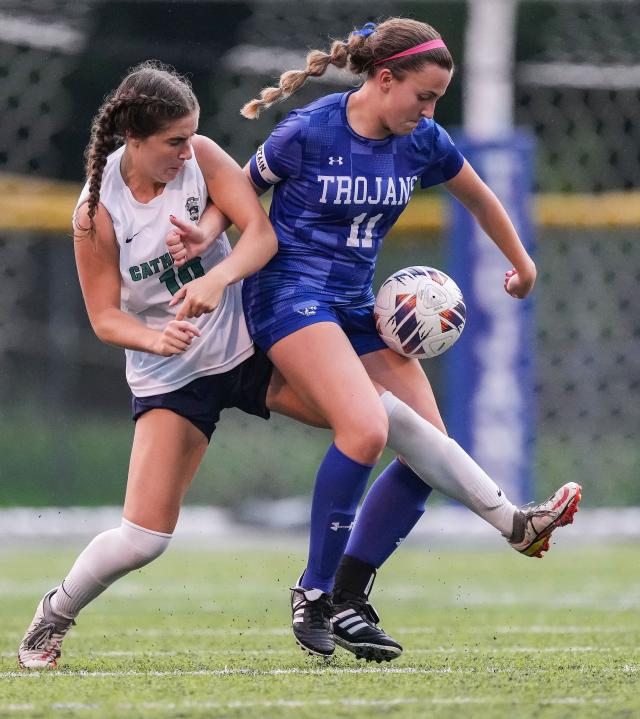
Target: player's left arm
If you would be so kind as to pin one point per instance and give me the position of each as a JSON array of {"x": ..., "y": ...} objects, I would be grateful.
[
  {"x": 479, "y": 199},
  {"x": 234, "y": 197},
  {"x": 186, "y": 240}
]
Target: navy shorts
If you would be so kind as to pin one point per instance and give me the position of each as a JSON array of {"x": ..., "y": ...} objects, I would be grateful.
[
  {"x": 202, "y": 401},
  {"x": 290, "y": 314}
]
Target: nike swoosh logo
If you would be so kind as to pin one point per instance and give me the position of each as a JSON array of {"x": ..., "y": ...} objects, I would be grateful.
[{"x": 128, "y": 239}]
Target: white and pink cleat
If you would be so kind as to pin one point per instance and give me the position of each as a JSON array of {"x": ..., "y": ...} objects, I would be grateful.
[{"x": 542, "y": 519}]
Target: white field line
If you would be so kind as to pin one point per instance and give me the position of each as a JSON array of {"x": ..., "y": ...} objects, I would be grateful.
[
  {"x": 474, "y": 597},
  {"x": 165, "y": 633},
  {"x": 251, "y": 672},
  {"x": 298, "y": 704},
  {"x": 567, "y": 629},
  {"x": 142, "y": 653},
  {"x": 285, "y": 631}
]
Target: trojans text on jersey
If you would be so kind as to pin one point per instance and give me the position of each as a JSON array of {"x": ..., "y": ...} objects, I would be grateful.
[{"x": 360, "y": 190}]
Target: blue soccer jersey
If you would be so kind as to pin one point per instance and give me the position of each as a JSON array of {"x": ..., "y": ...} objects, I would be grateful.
[{"x": 337, "y": 194}]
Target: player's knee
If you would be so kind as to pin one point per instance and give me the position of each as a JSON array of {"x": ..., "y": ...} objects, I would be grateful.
[
  {"x": 376, "y": 437},
  {"x": 366, "y": 439}
]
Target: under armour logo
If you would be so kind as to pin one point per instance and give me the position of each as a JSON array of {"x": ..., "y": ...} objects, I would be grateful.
[
  {"x": 335, "y": 160},
  {"x": 335, "y": 526}
]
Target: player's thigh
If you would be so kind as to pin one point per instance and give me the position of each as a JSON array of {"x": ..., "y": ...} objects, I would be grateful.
[
  {"x": 405, "y": 378},
  {"x": 320, "y": 366},
  {"x": 166, "y": 453}
]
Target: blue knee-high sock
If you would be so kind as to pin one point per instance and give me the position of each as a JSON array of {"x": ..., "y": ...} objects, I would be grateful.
[
  {"x": 393, "y": 505},
  {"x": 339, "y": 486}
]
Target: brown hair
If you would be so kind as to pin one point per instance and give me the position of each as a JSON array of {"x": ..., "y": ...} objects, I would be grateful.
[
  {"x": 151, "y": 96},
  {"x": 361, "y": 52}
]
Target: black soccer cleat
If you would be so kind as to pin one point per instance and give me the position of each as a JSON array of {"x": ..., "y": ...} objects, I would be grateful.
[
  {"x": 310, "y": 621},
  {"x": 355, "y": 627},
  {"x": 354, "y": 620}
]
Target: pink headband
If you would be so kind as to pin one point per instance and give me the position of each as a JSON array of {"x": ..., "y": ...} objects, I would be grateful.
[{"x": 424, "y": 47}]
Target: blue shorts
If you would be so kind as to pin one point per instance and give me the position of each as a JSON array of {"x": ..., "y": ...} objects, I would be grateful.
[
  {"x": 287, "y": 315},
  {"x": 202, "y": 401}
]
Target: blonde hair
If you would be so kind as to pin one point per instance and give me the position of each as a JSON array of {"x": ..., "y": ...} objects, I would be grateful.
[{"x": 363, "y": 53}]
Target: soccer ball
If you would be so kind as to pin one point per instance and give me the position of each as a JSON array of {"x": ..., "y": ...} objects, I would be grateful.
[{"x": 419, "y": 312}]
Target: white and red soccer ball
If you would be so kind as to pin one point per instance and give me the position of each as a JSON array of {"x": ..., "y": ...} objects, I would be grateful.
[{"x": 419, "y": 312}]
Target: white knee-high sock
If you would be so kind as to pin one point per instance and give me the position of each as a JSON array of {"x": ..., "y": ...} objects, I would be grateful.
[
  {"x": 442, "y": 463},
  {"x": 106, "y": 558}
]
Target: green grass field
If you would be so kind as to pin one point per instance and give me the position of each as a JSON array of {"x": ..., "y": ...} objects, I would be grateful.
[{"x": 205, "y": 634}]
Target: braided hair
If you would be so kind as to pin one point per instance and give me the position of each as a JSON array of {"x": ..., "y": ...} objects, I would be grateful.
[
  {"x": 364, "y": 52},
  {"x": 151, "y": 96}
]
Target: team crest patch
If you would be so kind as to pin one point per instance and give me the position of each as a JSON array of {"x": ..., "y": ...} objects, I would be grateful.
[{"x": 193, "y": 208}]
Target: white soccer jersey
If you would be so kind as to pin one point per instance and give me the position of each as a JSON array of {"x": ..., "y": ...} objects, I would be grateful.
[{"x": 149, "y": 279}]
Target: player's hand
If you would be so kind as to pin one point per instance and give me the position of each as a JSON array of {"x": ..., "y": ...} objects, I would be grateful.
[
  {"x": 186, "y": 240},
  {"x": 175, "y": 338},
  {"x": 519, "y": 284},
  {"x": 199, "y": 296}
]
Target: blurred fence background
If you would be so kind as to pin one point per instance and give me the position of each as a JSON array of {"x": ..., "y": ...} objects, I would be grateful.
[{"x": 64, "y": 424}]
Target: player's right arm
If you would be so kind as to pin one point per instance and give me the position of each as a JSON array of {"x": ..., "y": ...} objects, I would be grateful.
[{"x": 98, "y": 263}]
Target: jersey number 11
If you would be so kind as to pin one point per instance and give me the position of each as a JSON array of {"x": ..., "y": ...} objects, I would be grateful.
[{"x": 354, "y": 236}]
